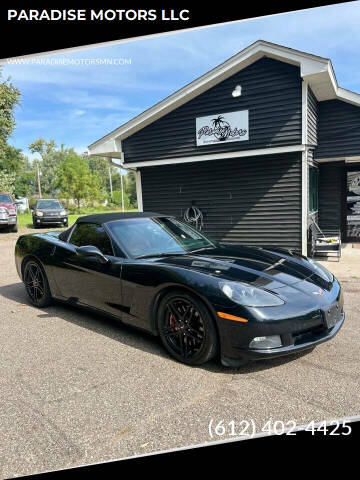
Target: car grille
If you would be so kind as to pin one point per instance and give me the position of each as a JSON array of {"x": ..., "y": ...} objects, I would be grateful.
[{"x": 310, "y": 329}]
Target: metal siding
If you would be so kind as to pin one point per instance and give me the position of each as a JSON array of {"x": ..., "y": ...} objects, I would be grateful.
[
  {"x": 271, "y": 91},
  {"x": 330, "y": 195},
  {"x": 338, "y": 130},
  {"x": 254, "y": 201},
  {"x": 312, "y": 118}
]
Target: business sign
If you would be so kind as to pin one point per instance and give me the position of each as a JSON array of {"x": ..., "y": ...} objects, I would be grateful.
[{"x": 222, "y": 128}]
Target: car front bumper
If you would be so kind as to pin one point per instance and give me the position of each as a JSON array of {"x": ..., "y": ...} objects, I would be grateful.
[
  {"x": 48, "y": 220},
  {"x": 10, "y": 220},
  {"x": 300, "y": 324},
  {"x": 299, "y": 342}
]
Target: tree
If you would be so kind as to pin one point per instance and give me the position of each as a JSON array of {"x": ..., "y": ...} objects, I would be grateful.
[
  {"x": 130, "y": 187},
  {"x": 117, "y": 199},
  {"x": 101, "y": 165},
  {"x": 14, "y": 161},
  {"x": 76, "y": 181},
  {"x": 7, "y": 181},
  {"x": 9, "y": 98},
  {"x": 50, "y": 158}
]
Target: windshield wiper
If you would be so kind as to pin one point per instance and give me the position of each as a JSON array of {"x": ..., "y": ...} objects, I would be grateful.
[
  {"x": 161, "y": 254},
  {"x": 200, "y": 249}
]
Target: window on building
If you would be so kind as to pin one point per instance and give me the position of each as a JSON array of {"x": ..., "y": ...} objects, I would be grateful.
[{"x": 313, "y": 189}]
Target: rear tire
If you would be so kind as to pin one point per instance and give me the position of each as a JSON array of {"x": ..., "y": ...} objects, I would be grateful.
[
  {"x": 36, "y": 284},
  {"x": 14, "y": 228},
  {"x": 186, "y": 328}
]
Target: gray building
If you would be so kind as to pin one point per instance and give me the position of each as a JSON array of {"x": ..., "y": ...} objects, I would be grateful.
[{"x": 266, "y": 145}]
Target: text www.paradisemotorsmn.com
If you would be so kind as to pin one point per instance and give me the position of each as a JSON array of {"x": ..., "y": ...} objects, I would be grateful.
[{"x": 69, "y": 61}]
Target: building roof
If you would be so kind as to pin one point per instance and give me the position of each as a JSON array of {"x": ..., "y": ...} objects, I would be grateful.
[
  {"x": 317, "y": 71},
  {"x": 101, "y": 218}
]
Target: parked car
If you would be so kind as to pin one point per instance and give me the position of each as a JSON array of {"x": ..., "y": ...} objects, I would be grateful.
[
  {"x": 200, "y": 296},
  {"x": 49, "y": 211},
  {"x": 8, "y": 214}
]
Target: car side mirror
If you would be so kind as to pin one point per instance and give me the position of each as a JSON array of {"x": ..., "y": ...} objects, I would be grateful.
[{"x": 89, "y": 251}]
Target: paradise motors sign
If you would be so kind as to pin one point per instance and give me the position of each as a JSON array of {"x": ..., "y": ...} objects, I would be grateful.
[{"x": 222, "y": 128}]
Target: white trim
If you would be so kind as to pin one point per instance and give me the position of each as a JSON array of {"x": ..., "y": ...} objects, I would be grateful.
[
  {"x": 217, "y": 156},
  {"x": 304, "y": 201},
  {"x": 139, "y": 191},
  {"x": 304, "y": 112},
  {"x": 354, "y": 158},
  {"x": 316, "y": 70}
]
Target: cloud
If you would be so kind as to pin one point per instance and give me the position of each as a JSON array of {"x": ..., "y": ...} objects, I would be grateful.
[{"x": 76, "y": 105}]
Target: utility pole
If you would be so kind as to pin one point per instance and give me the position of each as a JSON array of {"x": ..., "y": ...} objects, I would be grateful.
[
  {"x": 38, "y": 178},
  {"x": 110, "y": 178}
]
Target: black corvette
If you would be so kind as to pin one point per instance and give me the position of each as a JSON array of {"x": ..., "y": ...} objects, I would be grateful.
[{"x": 200, "y": 296}]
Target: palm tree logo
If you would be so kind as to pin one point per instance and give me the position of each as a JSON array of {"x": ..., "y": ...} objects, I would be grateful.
[{"x": 222, "y": 128}]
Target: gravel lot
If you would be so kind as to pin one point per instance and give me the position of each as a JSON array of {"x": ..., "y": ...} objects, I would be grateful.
[{"x": 77, "y": 388}]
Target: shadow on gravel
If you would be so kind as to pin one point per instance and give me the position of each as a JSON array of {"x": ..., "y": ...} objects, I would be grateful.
[{"x": 130, "y": 336}]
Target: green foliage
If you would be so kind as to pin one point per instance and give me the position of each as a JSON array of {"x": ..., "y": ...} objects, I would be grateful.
[
  {"x": 7, "y": 181},
  {"x": 49, "y": 157},
  {"x": 32, "y": 202},
  {"x": 76, "y": 181},
  {"x": 117, "y": 199},
  {"x": 130, "y": 187},
  {"x": 13, "y": 161},
  {"x": 9, "y": 98}
]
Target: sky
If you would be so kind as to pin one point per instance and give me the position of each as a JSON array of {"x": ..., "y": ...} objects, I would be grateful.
[{"x": 77, "y": 104}]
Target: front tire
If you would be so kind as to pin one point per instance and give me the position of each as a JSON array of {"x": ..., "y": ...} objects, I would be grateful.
[
  {"x": 186, "y": 328},
  {"x": 36, "y": 284}
]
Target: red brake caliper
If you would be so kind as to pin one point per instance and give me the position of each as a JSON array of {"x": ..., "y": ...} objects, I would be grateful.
[{"x": 172, "y": 322}]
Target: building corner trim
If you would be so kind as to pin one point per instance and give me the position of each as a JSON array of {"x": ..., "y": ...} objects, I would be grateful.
[
  {"x": 304, "y": 201},
  {"x": 139, "y": 191}
]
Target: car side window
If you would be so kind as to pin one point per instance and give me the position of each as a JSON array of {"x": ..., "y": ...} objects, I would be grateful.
[{"x": 91, "y": 234}]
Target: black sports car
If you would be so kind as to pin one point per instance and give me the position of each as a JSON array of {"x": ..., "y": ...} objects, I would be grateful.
[
  {"x": 200, "y": 296},
  {"x": 49, "y": 211}
]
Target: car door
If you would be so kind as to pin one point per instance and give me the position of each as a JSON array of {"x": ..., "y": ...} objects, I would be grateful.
[{"x": 85, "y": 280}]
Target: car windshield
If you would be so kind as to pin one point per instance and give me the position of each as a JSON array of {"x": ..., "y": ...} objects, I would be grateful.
[
  {"x": 153, "y": 236},
  {"x": 5, "y": 198},
  {"x": 48, "y": 204}
]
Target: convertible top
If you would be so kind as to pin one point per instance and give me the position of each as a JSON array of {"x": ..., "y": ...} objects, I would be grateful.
[{"x": 101, "y": 218}]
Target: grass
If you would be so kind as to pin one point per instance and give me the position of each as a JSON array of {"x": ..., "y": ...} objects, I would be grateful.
[{"x": 25, "y": 219}]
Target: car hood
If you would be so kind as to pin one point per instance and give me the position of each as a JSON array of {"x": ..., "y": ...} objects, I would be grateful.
[
  {"x": 9, "y": 206},
  {"x": 49, "y": 210},
  {"x": 267, "y": 268}
]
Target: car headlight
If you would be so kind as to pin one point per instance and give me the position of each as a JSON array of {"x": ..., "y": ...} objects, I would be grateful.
[
  {"x": 249, "y": 296},
  {"x": 321, "y": 271},
  {"x": 38, "y": 213},
  {"x": 63, "y": 212}
]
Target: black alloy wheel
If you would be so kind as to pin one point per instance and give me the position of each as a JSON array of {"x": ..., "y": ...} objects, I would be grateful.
[
  {"x": 36, "y": 284},
  {"x": 186, "y": 328}
]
